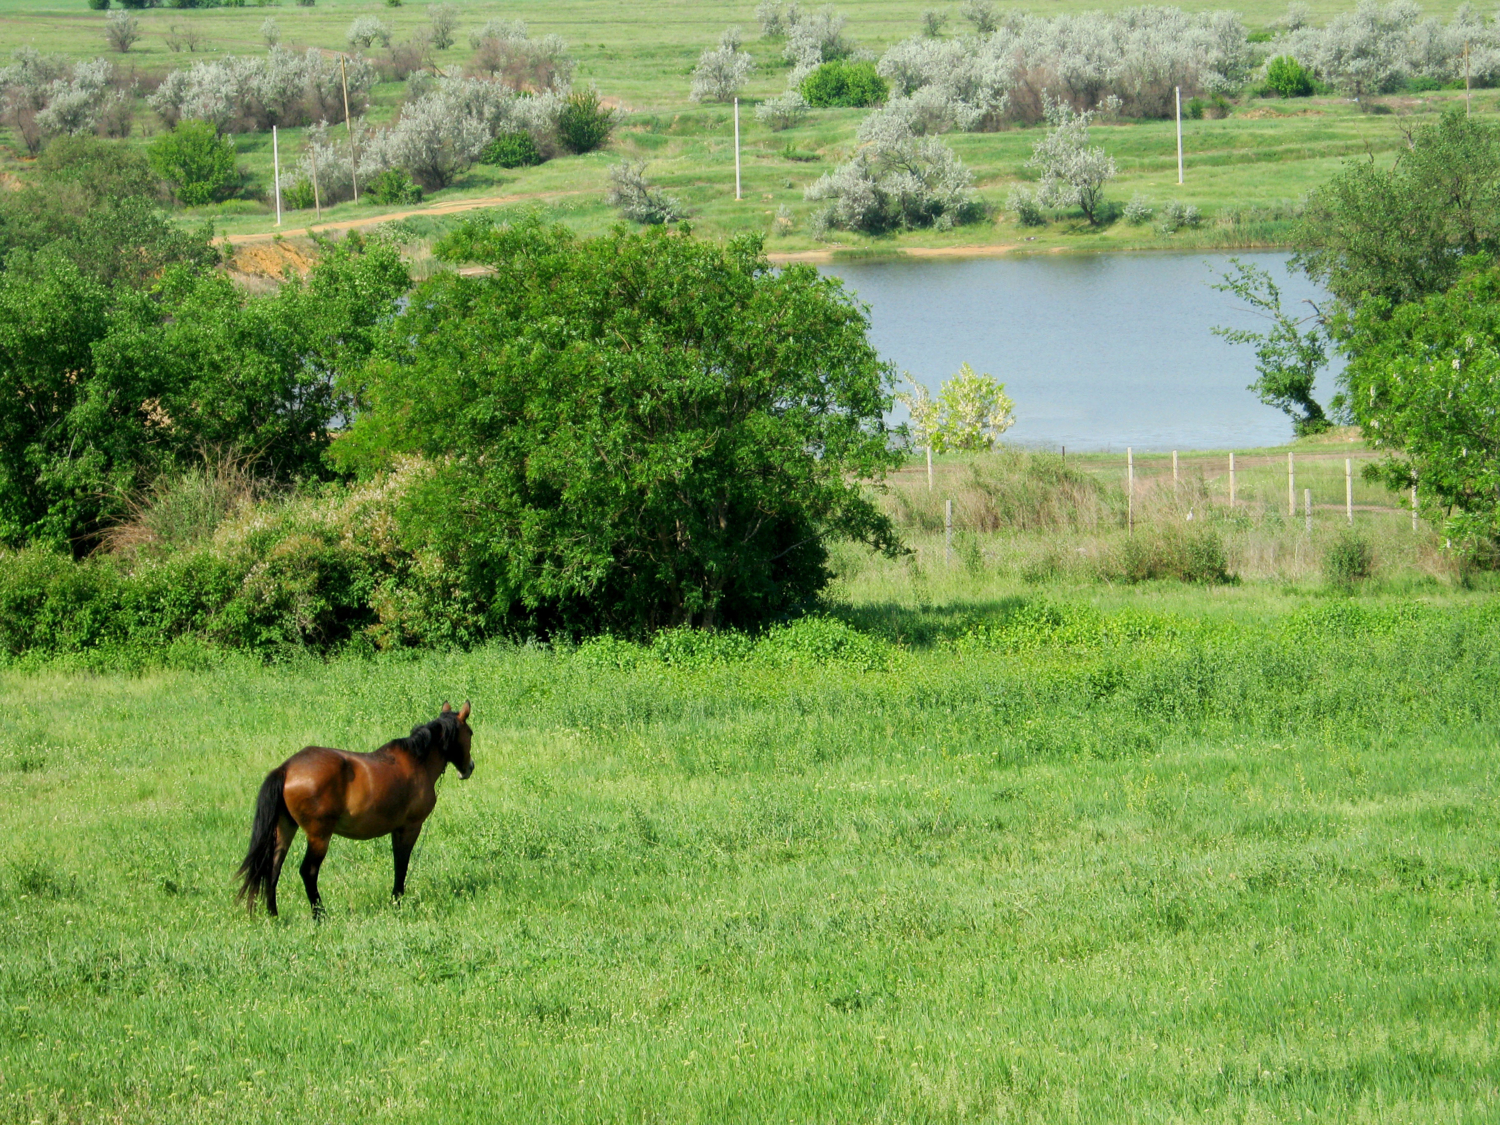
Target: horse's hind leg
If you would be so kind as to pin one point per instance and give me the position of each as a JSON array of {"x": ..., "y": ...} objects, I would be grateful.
[
  {"x": 402, "y": 842},
  {"x": 317, "y": 848},
  {"x": 286, "y": 829}
]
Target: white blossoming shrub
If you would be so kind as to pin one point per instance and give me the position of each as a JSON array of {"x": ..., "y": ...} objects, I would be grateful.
[
  {"x": 280, "y": 87},
  {"x": 1378, "y": 48},
  {"x": 1137, "y": 54},
  {"x": 786, "y": 111},
  {"x": 897, "y": 179}
]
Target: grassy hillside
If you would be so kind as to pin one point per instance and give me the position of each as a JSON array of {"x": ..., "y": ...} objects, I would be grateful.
[{"x": 1246, "y": 172}]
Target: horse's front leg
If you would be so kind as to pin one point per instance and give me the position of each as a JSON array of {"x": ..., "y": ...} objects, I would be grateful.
[{"x": 403, "y": 840}]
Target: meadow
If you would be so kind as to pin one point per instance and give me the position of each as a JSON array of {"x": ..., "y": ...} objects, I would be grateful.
[
  {"x": 1247, "y": 173},
  {"x": 964, "y": 846}
]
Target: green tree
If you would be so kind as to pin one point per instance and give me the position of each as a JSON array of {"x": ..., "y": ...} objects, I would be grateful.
[
  {"x": 845, "y": 83},
  {"x": 1288, "y": 357},
  {"x": 973, "y": 410},
  {"x": 585, "y": 122},
  {"x": 196, "y": 161},
  {"x": 1423, "y": 382},
  {"x": 104, "y": 386},
  {"x": 1288, "y": 77},
  {"x": 1401, "y": 233},
  {"x": 633, "y": 431}
]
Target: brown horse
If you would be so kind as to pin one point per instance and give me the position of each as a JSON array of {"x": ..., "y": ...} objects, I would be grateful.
[{"x": 336, "y": 793}]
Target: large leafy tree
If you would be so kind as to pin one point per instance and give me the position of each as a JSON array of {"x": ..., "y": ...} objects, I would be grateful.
[
  {"x": 1400, "y": 233},
  {"x": 1424, "y": 383},
  {"x": 633, "y": 431},
  {"x": 103, "y": 385}
]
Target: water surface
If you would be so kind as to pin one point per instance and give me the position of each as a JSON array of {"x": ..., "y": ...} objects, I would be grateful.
[{"x": 1098, "y": 351}]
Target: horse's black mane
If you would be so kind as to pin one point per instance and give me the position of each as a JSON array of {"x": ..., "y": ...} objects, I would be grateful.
[{"x": 425, "y": 737}]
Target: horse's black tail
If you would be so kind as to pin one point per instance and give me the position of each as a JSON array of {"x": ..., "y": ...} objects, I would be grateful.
[{"x": 259, "y": 860}]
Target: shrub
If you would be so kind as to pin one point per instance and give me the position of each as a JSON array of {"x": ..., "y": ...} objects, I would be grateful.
[
  {"x": 1349, "y": 560},
  {"x": 511, "y": 150},
  {"x": 844, "y": 83},
  {"x": 121, "y": 30},
  {"x": 278, "y": 88},
  {"x": 982, "y": 14},
  {"x": 503, "y": 50},
  {"x": 896, "y": 180},
  {"x": 932, "y": 22},
  {"x": 197, "y": 162},
  {"x": 784, "y": 112},
  {"x": 1171, "y": 552},
  {"x": 393, "y": 187},
  {"x": 299, "y": 196},
  {"x": 1288, "y": 78},
  {"x": 636, "y": 199},
  {"x": 1138, "y": 211},
  {"x": 443, "y": 19},
  {"x": 1175, "y": 216},
  {"x": 99, "y": 5},
  {"x": 270, "y": 32},
  {"x": 1028, "y": 206},
  {"x": 584, "y": 123}
]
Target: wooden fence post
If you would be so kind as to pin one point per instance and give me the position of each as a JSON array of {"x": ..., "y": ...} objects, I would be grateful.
[
  {"x": 1231, "y": 480},
  {"x": 1174, "y": 466}
]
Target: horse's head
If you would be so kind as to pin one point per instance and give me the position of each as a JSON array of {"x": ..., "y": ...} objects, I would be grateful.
[{"x": 456, "y": 746}]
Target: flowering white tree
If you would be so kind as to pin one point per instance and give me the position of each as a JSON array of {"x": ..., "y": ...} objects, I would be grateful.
[
  {"x": 366, "y": 31},
  {"x": 722, "y": 71},
  {"x": 1072, "y": 173},
  {"x": 76, "y": 104},
  {"x": 972, "y": 411}
]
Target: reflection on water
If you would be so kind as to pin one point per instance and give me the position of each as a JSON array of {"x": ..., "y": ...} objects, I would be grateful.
[{"x": 1098, "y": 351}]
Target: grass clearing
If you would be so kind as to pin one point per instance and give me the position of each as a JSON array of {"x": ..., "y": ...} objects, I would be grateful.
[{"x": 1150, "y": 854}]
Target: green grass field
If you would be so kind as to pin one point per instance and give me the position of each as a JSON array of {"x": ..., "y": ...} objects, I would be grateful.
[
  {"x": 1267, "y": 155},
  {"x": 991, "y": 852}
]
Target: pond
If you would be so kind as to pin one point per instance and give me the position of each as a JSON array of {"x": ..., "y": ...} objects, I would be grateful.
[{"x": 1098, "y": 351}]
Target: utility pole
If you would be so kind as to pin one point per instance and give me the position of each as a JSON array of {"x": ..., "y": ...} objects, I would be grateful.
[
  {"x": 1179, "y": 135},
  {"x": 276, "y": 172},
  {"x": 349, "y": 121},
  {"x": 312, "y": 154}
]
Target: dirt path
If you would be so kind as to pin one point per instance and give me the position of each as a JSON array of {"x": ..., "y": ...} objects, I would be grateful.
[
  {"x": 457, "y": 206},
  {"x": 452, "y": 207}
]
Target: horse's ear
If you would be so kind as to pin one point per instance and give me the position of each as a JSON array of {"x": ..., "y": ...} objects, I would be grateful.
[
  {"x": 463, "y": 712},
  {"x": 447, "y": 707}
]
